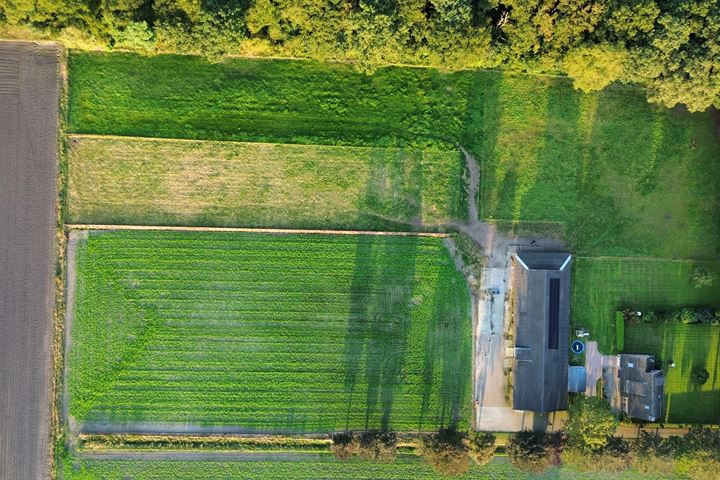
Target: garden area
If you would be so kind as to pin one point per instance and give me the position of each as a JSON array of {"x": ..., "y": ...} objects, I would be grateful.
[
  {"x": 690, "y": 359},
  {"x": 601, "y": 286}
]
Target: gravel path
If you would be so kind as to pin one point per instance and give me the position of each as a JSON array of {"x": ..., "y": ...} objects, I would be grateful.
[{"x": 29, "y": 87}]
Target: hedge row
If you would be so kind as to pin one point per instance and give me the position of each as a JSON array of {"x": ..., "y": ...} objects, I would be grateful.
[{"x": 687, "y": 315}]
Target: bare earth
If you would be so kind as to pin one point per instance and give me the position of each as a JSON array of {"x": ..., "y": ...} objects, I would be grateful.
[{"x": 28, "y": 166}]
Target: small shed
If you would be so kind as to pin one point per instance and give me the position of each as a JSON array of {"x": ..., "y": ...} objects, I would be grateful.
[{"x": 576, "y": 379}]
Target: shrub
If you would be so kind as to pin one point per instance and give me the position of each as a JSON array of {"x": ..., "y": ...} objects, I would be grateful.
[
  {"x": 699, "y": 375},
  {"x": 614, "y": 457},
  {"x": 701, "y": 277},
  {"x": 590, "y": 424},
  {"x": 343, "y": 445},
  {"x": 447, "y": 452},
  {"x": 482, "y": 447},
  {"x": 378, "y": 445},
  {"x": 687, "y": 316},
  {"x": 136, "y": 36},
  {"x": 695, "y": 455},
  {"x": 653, "y": 454},
  {"x": 533, "y": 452}
]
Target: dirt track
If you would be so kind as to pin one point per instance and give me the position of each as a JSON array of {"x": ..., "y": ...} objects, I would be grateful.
[
  {"x": 282, "y": 231},
  {"x": 28, "y": 165}
]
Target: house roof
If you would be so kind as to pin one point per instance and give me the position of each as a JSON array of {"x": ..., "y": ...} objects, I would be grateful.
[
  {"x": 641, "y": 387},
  {"x": 542, "y": 324}
]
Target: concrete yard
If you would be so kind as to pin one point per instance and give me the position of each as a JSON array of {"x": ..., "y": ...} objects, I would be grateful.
[{"x": 29, "y": 92}]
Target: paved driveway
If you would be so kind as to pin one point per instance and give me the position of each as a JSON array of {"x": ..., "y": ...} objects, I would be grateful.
[{"x": 595, "y": 363}]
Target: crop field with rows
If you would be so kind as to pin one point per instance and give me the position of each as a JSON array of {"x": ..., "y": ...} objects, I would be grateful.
[
  {"x": 296, "y": 333},
  {"x": 312, "y": 468},
  {"x": 190, "y": 182}
]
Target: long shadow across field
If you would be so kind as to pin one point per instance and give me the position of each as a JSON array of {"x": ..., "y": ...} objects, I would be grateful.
[
  {"x": 380, "y": 318},
  {"x": 380, "y": 309},
  {"x": 446, "y": 352}
]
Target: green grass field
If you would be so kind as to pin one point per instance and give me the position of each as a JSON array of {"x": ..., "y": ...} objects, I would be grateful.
[
  {"x": 263, "y": 100},
  {"x": 687, "y": 346},
  {"x": 622, "y": 176},
  {"x": 625, "y": 178},
  {"x": 600, "y": 286},
  {"x": 313, "y": 468},
  {"x": 150, "y": 181},
  {"x": 300, "y": 333}
]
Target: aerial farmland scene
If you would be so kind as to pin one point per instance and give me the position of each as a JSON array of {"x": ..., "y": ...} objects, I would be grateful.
[{"x": 360, "y": 239}]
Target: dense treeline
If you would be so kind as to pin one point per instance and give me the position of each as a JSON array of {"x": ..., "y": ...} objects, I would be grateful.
[{"x": 670, "y": 46}]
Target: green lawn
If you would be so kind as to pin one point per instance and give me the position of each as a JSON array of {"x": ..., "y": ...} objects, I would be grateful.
[
  {"x": 600, "y": 286},
  {"x": 313, "y": 468},
  {"x": 151, "y": 181},
  {"x": 296, "y": 333},
  {"x": 687, "y": 346},
  {"x": 626, "y": 178},
  {"x": 263, "y": 100}
]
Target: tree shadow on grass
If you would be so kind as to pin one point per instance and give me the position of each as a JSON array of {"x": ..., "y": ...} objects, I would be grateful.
[
  {"x": 378, "y": 326},
  {"x": 447, "y": 366}
]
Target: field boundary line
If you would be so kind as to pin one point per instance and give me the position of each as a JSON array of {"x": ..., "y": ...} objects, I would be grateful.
[
  {"x": 278, "y": 231},
  {"x": 181, "y": 455},
  {"x": 645, "y": 259},
  {"x": 98, "y": 136}
]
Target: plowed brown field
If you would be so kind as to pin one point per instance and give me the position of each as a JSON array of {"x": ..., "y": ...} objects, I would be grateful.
[{"x": 28, "y": 166}]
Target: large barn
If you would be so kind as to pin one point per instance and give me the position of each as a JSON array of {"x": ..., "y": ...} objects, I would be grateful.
[{"x": 541, "y": 330}]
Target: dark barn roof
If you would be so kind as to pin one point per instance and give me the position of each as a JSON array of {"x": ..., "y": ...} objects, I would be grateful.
[
  {"x": 641, "y": 387},
  {"x": 542, "y": 324}
]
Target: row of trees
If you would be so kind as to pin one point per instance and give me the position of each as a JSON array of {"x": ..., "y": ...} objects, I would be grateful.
[
  {"x": 587, "y": 442},
  {"x": 449, "y": 450},
  {"x": 670, "y": 46}
]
